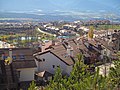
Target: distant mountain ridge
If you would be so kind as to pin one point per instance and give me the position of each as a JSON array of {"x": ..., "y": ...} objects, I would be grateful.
[
  {"x": 59, "y": 15},
  {"x": 33, "y": 16}
]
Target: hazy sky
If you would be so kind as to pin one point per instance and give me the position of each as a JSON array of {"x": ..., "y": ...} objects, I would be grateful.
[{"x": 51, "y": 5}]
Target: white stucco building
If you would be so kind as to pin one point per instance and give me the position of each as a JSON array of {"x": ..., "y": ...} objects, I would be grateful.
[
  {"x": 26, "y": 74},
  {"x": 61, "y": 55},
  {"x": 49, "y": 61}
]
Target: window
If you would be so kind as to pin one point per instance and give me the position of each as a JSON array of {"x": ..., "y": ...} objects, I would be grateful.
[
  {"x": 5, "y": 57},
  {"x": 22, "y": 57},
  {"x": 58, "y": 66},
  {"x": 53, "y": 66},
  {"x": 14, "y": 57},
  {"x": 43, "y": 59}
]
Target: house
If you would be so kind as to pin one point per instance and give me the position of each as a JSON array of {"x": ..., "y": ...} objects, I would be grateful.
[
  {"x": 104, "y": 69},
  {"x": 62, "y": 55},
  {"x": 8, "y": 79},
  {"x": 6, "y": 45},
  {"x": 96, "y": 49},
  {"x": 22, "y": 65},
  {"x": 116, "y": 39},
  {"x": 51, "y": 59},
  {"x": 106, "y": 43},
  {"x": 108, "y": 49},
  {"x": 88, "y": 50}
]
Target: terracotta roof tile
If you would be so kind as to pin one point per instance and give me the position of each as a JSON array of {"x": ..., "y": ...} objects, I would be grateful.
[
  {"x": 18, "y": 64},
  {"x": 104, "y": 43}
]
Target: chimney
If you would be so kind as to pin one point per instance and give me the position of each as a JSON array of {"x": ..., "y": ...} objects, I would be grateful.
[
  {"x": 70, "y": 51},
  {"x": 40, "y": 48},
  {"x": 10, "y": 54},
  {"x": 53, "y": 42}
]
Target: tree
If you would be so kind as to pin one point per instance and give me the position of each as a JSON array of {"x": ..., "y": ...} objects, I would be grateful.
[
  {"x": 81, "y": 78},
  {"x": 114, "y": 75},
  {"x": 32, "y": 86},
  {"x": 79, "y": 70},
  {"x": 55, "y": 84},
  {"x": 90, "y": 32}
]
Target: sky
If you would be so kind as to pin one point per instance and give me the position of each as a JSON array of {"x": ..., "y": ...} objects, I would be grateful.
[{"x": 59, "y": 5}]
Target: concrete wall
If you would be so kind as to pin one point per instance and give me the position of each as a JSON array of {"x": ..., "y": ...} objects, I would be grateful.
[
  {"x": 26, "y": 74},
  {"x": 69, "y": 69}
]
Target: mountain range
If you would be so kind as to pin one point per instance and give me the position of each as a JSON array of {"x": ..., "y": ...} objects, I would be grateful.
[
  {"x": 47, "y": 10},
  {"x": 59, "y": 15}
]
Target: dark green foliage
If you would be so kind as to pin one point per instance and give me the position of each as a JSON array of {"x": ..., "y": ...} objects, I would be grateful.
[
  {"x": 114, "y": 75},
  {"x": 32, "y": 86},
  {"x": 55, "y": 84}
]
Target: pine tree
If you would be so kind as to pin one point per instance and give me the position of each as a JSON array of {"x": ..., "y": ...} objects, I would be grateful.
[
  {"x": 32, "y": 86},
  {"x": 81, "y": 78},
  {"x": 114, "y": 75},
  {"x": 56, "y": 83}
]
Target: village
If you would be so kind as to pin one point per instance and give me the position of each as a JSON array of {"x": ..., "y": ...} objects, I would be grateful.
[{"x": 19, "y": 65}]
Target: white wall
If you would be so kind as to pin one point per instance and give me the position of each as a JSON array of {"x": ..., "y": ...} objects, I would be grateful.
[
  {"x": 26, "y": 74},
  {"x": 69, "y": 69},
  {"x": 51, "y": 60},
  {"x": 103, "y": 70},
  {"x": 106, "y": 52}
]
